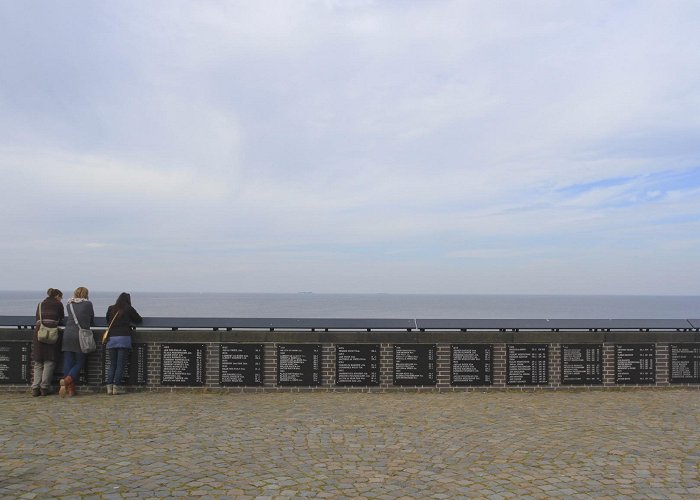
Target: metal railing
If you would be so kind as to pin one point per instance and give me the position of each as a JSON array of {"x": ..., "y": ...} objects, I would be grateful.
[{"x": 407, "y": 324}]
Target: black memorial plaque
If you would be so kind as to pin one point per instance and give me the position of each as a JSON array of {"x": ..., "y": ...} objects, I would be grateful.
[
  {"x": 527, "y": 364},
  {"x": 183, "y": 364},
  {"x": 15, "y": 362},
  {"x": 415, "y": 364},
  {"x": 136, "y": 369},
  {"x": 241, "y": 364},
  {"x": 471, "y": 364},
  {"x": 685, "y": 363},
  {"x": 299, "y": 364},
  {"x": 581, "y": 364},
  {"x": 357, "y": 364},
  {"x": 635, "y": 364}
]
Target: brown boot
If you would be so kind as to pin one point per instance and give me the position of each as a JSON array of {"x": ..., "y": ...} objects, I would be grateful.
[
  {"x": 71, "y": 388},
  {"x": 66, "y": 383}
]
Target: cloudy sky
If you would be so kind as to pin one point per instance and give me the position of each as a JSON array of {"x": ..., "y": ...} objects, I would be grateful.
[{"x": 351, "y": 146}]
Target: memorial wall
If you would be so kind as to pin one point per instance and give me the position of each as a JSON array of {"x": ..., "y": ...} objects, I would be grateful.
[{"x": 382, "y": 361}]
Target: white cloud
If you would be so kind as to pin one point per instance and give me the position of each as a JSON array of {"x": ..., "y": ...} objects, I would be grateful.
[
  {"x": 416, "y": 135},
  {"x": 103, "y": 178}
]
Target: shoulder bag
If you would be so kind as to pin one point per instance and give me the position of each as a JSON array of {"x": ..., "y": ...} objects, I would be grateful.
[
  {"x": 105, "y": 336},
  {"x": 87, "y": 339},
  {"x": 46, "y": 335}
]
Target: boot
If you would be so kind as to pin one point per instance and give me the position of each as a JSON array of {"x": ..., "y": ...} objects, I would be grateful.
[
  {"x": 110, "y": 389},
  {"x": 36, "y": 392},
  {"x": 65, "y": 386},
  {"x": 71, "y": 388},
  {"x": 116, "y": 389},
  {"x": 44, "y": 392}
]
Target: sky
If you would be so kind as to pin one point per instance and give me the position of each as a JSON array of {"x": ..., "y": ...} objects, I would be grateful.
[{"x": 525, "y": 147}]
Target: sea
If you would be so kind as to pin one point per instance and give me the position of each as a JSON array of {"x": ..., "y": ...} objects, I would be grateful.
[{"x": 379, "y": 305}]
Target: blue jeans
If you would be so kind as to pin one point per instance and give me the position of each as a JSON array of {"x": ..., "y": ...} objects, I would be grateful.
[
  {"x": 73, "y": 362},
  {"x": 117, "y": 363}
]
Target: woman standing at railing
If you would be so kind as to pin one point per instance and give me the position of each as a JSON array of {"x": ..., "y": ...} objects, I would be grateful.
[
  {"x": 50, "y": 313},
  {"x": 80, "y": 309},
  {"x": 120, "y": 316}
]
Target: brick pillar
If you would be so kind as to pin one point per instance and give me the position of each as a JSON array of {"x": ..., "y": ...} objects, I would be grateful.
[
  {"x": 212, "y": 352},
  {"x": 444, "y": 365},
  {"x": 153, "y": 357},
  {"x": 663, "y": 364},
  {"x": 327, "y": 365},
  {"x": 499, "y": 365},
  {"x": 386, "y": 365},
  {"x": 270, "y": 368},
  {"x": 554, "y": 365},
  {"x": 608, "y": 364}
]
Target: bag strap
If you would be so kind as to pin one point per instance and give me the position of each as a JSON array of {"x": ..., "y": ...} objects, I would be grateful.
[
  {"x": 75, "y": 318},
  {"x": 110, "y": 323}
]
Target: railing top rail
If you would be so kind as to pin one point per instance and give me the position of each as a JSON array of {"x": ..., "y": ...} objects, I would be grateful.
[
  {"x": 391, "y": 323},
  {"x": 553, "y": 324},
  {"x": 248, "y": 323}
]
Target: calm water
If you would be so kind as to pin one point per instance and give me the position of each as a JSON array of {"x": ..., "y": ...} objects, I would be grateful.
[{"x": 314, "y": 305}]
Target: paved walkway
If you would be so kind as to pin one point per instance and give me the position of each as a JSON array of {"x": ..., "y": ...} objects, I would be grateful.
[{"x": 639, "y": 444}]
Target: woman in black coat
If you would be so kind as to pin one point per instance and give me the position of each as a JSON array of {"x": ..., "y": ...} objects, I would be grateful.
[{"x": 120, "y": 316}]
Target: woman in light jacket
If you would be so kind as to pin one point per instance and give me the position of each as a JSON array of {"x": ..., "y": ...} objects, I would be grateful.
[
  {"x": 73, "y": 357},
  {"x": 119, "y": 341},
  {"x": 50, "y": 310}
]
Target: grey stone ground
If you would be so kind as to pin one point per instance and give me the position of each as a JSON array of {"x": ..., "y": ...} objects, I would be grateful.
[{"x": 621, "y": 444}]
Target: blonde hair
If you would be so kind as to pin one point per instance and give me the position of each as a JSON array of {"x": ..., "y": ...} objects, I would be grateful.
[{"x": 81, "y": 293}]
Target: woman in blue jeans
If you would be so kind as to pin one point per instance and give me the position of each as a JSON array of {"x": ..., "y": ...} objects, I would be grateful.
[
  {"x": 121, "y": 316},
  {"x": 80, "y": 308}
]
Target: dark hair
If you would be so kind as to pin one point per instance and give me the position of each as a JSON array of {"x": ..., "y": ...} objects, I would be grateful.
[
  {"x": 54, "y": 292},
  {"x": 123, "y": 302}
]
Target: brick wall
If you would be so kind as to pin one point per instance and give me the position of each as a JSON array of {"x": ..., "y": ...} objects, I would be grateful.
[{"x": 443, "y": 365}]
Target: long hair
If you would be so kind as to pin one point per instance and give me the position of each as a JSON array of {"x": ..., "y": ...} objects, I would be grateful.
[
  {"x": 123, "y": 302},
  {"x": 81, "y": 293}
]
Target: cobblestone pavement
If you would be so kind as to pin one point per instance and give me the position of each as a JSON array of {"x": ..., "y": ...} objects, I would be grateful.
[{"x": 621, "y": 444}]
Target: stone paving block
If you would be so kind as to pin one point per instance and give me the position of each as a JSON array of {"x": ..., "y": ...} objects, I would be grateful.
[{"x": 631, "y": 444}]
